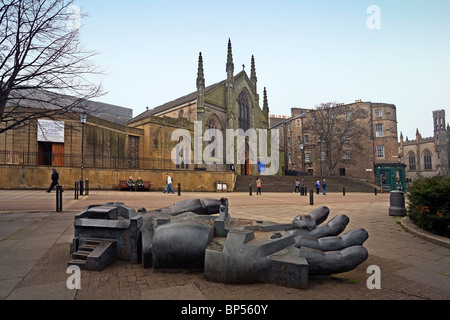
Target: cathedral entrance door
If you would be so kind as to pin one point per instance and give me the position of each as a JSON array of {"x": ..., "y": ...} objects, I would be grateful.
[{"x": 246, "y": 168}]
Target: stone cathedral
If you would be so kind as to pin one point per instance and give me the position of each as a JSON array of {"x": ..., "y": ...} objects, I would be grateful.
[{"x": 233, "y": 103}]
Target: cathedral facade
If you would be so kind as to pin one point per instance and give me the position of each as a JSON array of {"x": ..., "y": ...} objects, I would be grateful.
[
  {"x": 210, "y": 113},
  {"x": 428, "y": 156}
]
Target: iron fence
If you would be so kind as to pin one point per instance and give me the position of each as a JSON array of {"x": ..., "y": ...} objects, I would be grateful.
[{"x": 25, "y": 158}]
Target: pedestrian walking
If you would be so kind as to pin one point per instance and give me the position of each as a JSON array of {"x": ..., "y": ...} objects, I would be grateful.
[
  {"x": 258, "y": 185},
  {"x": 324, "y": 187},
  {"x": 297, "y": 185},
  {"x": 317, "y": 186},
  {"x": 168, "y": 184},
  {"x": 55, "y": 178}
]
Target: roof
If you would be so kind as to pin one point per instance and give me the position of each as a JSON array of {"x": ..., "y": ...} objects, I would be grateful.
[
  {"x": 44, "y": 99},
  {"x": 179, "y": 101},
  {"x": 174, "y": 103}
]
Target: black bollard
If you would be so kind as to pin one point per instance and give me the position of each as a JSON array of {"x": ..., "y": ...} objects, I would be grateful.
[
  {"x": 311, "y": 197},
  {"x": 76, "y": 190},
  {"x": 250, "y": 189},
  {"x": 86, "y": 187},
  {"x": 179, "y": 188},
  {"x": 81, "y": 187},
  {"x": 343, "y": 191},
  {"x": 375, "y": 190},
  {"x": 59, "y": 198}
]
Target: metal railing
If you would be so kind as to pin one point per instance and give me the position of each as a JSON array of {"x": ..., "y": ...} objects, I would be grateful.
[{"x": 25, "y": 158}]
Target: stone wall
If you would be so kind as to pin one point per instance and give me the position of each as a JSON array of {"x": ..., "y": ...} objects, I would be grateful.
[{"x": 38, "y": 177}]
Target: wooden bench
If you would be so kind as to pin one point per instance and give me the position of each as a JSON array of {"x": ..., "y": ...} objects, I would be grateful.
[{"x": 123, "y": 186}]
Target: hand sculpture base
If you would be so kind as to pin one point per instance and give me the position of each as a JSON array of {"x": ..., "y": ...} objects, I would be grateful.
[{"x": 191, "y": 235}]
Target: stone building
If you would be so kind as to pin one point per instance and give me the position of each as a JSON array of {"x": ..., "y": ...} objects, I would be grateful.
[
  {"x": 427, "y": 156},
  {"x": 233, "y": 103},
  {"x": 371, "y": 153},
  {"x": 114, "y": 145}
]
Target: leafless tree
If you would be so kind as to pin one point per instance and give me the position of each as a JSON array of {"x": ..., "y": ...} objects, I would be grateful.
[
  {"x": 42, "y": 62},
  {"x": 336, "y": 128}
]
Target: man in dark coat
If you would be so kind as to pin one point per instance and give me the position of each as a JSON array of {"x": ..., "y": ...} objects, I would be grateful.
[{"x": 55, "y": 177}]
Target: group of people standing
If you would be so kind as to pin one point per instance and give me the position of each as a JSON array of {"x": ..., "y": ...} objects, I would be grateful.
[{"x": 324, "y": 187}]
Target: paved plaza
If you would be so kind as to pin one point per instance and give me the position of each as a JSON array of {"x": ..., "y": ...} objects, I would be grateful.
[{"x": 35, "y": 238}]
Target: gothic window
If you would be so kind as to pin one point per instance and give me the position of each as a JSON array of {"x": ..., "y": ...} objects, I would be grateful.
[
  {"x": 412, "y": 160},
  {"x": 212, "y": 125},
  {"x": 427, "y": 160},
  {"x": 244, "y": 110}
]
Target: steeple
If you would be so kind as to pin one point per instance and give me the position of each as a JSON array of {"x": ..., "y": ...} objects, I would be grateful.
[
  {"x": 230, "y": 64},
  {"x": 253, "y": 73},
  {"x": 200, "y": 85},
  {"x": 200, "y": 75},
  {"x": 265, "y": 104}
]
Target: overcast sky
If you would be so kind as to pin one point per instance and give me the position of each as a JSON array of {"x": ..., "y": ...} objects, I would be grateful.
[{"x": 306, "y": 52}]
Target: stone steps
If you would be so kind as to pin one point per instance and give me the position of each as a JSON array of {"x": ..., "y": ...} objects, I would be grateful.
[{"x": 287, "y": 184}]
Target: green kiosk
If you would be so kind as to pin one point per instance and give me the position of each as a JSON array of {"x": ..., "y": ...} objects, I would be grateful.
[{"x": 391, "y": 176}]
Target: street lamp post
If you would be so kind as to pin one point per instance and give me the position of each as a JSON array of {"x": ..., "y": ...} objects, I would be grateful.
[
  {"x": 83, "y": 118},
  {"x": 321, "y": 159},
  {"x": 302, "y": 150}
]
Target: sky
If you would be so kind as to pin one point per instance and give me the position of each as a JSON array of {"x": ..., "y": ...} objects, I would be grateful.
[{"x": 306, "y": 52}]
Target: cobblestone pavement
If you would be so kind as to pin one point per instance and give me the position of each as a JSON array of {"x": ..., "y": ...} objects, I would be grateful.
[{"x": 34, "y": 251}]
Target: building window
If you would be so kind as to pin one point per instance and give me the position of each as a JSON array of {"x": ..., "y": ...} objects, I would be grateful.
[
  {"x": 323, "y": 155},
  {"x": 379, "y": 130},
  {"x": 244, "y": 110},
  {"x": 347, "y": 154},
  {"x": 298, "y": 123},
  {"x": 378, "y": 113},
  {"x": 380, "y": 152},
  {"x": 306, "y": 138},
  {"x": 307, "y": 157},
  {"x": 427, "y": 160},
  {"x": 412, "y": 160}
]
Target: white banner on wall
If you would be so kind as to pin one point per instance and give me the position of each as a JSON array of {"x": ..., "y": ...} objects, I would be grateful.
[{"x": 50, "y": 131}]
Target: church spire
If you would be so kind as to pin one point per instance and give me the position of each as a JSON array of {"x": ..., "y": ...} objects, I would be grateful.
[
  {"x": 230, "y": 64},
  {"x": 200, "y": 75},
  {"x": 200, "y": 85},
  {"x": 253, "y": 71},
  {"x": 253, "y": 78},
  {"x": 265, "y": 104}
]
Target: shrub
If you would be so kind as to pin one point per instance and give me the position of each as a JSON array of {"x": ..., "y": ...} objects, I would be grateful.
[{"x": 429, "y": 204}]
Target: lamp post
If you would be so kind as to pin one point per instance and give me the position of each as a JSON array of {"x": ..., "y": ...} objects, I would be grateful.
[
  {"x": 302, "y": 150},
  {"x": 321, "y": 159},
  {"x": 83, "y": 118}
]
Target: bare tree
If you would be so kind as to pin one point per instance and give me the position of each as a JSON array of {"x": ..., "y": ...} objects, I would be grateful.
[
  {"x": 42, "y": 62},
  {"x": 337, "y": 128}
]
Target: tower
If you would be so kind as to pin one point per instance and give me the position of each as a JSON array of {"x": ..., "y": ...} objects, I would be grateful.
[{"x": 441, "y": 141}]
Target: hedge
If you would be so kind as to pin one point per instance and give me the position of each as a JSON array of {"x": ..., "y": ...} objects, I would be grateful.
[{"x": 429, "y": 204}]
